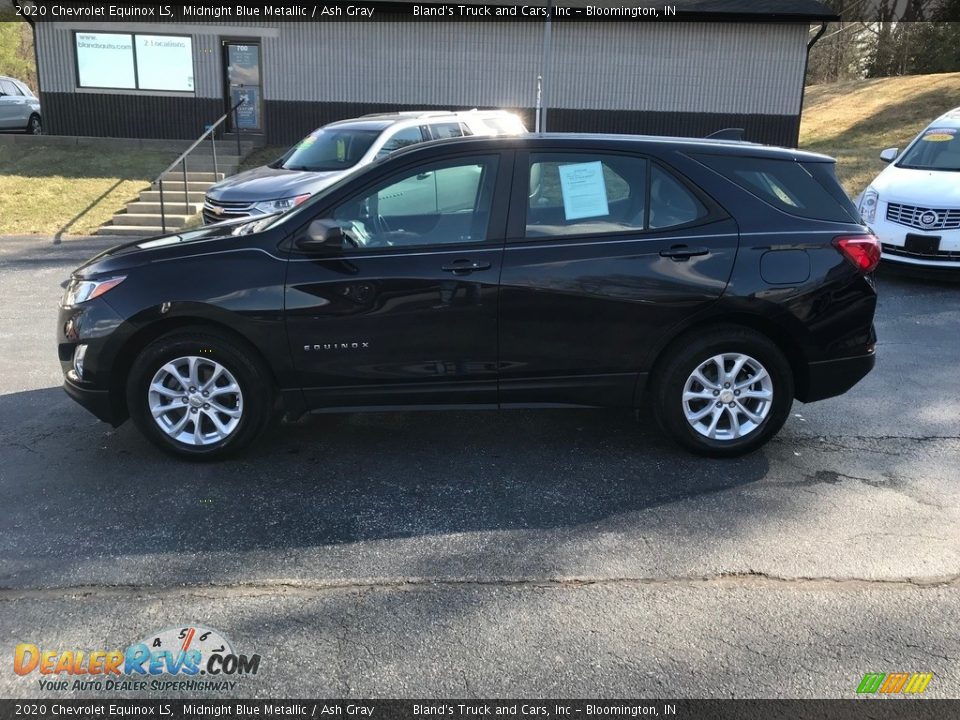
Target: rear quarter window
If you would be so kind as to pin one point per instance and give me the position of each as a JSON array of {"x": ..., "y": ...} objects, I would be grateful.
[{"x": 787, "y": 185}]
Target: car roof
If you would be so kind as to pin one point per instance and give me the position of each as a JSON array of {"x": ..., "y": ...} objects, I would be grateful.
[
  {"x": 951, "y": 118},
  {"x": 381, "y": 121},
  {"x": 597, "y": 141}
]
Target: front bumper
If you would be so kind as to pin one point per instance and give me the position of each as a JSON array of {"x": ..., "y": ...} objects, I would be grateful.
[
  {"x": 830, "y": 378},
  {"x": 893, "y": 249},
  {"x": 97, "y": 402},
  {"x": 96, "y": 325}
]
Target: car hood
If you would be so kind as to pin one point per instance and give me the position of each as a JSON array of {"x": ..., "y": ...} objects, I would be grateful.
[
  {"x": 163, "y": 247},
  {"x": 270, "y": 183},
  {"x": 926, "y": 188}
]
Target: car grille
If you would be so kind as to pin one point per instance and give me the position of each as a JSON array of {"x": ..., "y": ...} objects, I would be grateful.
[
  {"x": 952, "y": 255},
  {"x": 218, "y": 210},
  {"x": 910, "y": 215}
]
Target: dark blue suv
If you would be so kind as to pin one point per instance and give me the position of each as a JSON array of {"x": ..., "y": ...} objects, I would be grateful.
[{"x": 713, "y": 281}]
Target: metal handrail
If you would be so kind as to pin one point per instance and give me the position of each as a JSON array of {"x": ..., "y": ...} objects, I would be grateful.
[{"x": 183, "y": 159}]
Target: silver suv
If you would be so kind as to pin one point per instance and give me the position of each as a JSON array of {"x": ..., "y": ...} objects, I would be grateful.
[
  {"x": 329, "y": 153},
  {"x": 19, "y": 107}
]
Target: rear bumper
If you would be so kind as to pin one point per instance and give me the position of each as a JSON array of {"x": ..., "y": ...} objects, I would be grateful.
[{"x": 834, "y": 377}]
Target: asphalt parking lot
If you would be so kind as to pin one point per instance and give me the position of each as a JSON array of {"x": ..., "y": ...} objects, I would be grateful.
[{"x": 553, "y": 553}]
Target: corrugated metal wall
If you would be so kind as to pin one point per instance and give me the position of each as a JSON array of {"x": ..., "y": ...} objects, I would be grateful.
[
  {"x": 646, "y": 68},
  {"x": 685, "y": 67}
]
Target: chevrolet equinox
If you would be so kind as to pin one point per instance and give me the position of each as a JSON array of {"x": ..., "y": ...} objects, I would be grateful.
[{"x": 713, "y": 281}]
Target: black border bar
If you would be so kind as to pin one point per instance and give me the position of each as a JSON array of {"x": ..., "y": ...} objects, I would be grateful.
[{"x": 539, "y": 709}]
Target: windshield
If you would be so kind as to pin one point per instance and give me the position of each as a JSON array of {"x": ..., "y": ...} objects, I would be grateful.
[
  {"x": 935, "y": 149},
  {"x": 329, "y": 149}
]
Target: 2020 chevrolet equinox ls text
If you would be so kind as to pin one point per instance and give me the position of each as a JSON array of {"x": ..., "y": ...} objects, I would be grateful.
[{"x": 713, "y": 281}]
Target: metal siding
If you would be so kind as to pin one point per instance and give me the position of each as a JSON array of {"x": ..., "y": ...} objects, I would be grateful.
[
  {"x": 404, "y": 62},
  {"x": 683, "y": 67},
  {"x": 748, "y": 74}
]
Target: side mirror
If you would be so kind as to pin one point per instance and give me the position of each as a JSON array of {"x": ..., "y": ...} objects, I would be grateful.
[
  {"x": 889, "y": 155},
  {"x": 321, "y": 235}
]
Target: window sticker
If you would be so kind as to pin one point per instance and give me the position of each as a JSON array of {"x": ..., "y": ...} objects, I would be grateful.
[
  {"x": 939, "y": 134},
  {"x": 584, "y": 191}
]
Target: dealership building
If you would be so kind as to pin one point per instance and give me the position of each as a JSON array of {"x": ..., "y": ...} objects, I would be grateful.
[{"x": 716, "y": 64}]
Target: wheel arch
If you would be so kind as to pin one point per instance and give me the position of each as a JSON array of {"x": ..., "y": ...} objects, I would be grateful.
[
  {"x": 140, "y": 339},
  {"x": 778, "y": 333}
]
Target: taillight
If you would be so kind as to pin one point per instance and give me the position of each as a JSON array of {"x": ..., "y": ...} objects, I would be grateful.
[{"x": 862, "y": 250}]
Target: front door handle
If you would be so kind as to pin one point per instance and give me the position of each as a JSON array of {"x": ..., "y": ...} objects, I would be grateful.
[
  {"x": 684, "y": 252},
  {"x": 465, "y": 267}
]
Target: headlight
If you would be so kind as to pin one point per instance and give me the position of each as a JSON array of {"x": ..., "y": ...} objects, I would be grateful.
[
  {"x": 272, "y": 206},
  {"x": 79, "y": 291},
  {"x": 868, "y": 205}
]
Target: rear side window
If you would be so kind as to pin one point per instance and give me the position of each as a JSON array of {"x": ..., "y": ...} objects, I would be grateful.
[
  {"x": 446, "y": 130},
  {"x": 787, "y": 185},
  {"x": 580, "y": 194},
  {"x": 671, "y": 203},
  {"x": 401, "y": 139}
]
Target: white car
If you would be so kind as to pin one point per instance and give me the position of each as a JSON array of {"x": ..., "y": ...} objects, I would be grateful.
[
  {"x": 913, "y": 206},
  {"x": 19, "y": 107}
]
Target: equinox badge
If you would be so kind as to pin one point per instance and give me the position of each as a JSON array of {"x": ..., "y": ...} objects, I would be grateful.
[{"x": 338, "y": 346}]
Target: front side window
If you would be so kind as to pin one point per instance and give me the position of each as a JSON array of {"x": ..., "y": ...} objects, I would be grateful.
[
  {"x": 401, "y": 139},
  {"x": 329, "y": 149},
  {"x": 26, "y": 91},
  {"x": 436, "y": 204}
]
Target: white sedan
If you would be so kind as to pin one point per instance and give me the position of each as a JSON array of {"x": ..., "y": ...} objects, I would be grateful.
[{"x": 913, "y": 206}]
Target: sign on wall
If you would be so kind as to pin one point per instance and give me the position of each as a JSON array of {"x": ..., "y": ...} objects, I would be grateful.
[
  {"x": 105, "y": 60},
  {"x": 135, "y": 62}
]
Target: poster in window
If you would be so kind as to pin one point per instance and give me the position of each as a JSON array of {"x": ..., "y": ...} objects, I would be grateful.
[
  {"x": 105, "y": 60},
  {"x": 164, "y": 62},
  {"x": 248, "y": 114},
  {"x": 584, "y": 190}
]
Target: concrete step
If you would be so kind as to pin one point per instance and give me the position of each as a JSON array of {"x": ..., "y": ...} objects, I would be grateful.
[
  {"x": 207, "y": 176},
  {"x": 153, "y": 196},
  {"x": 133, "y": 230},
  {"x": 172, "y": 206},
  {"x": 175, "y": 187},
  {"x": 149, "y": 219},
  {"x": 202, "y": 166}
]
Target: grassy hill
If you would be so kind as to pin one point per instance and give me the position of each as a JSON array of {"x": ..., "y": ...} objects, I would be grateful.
[{"x": 853, "y": 121}]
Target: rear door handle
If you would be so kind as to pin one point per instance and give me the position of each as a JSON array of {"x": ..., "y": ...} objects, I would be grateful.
[
  {"x": 465, "y": 267},
  {"x": 684, "y": 252}
]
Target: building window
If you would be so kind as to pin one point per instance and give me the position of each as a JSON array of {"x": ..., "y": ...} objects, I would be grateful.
[{"x": 129, "y": 61}]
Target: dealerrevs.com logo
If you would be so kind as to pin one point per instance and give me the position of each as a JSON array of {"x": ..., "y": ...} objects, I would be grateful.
[{"x": 188, "y": 659}]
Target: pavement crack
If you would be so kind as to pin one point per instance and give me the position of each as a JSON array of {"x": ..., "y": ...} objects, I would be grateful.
[{"x": 218, "y": 591}]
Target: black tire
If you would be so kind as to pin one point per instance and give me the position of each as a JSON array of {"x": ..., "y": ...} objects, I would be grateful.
[
  {"x": 256, "y": 401},
  {"x": 688, "y": 354},
  {"x": 34, "y": 125}
]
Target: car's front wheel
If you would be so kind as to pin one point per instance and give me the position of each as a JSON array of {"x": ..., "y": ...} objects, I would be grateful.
[
  {"x": 34, "y": 125},
  {"x": 723, "y": 392},
  {"x": 199, "y": 394}
]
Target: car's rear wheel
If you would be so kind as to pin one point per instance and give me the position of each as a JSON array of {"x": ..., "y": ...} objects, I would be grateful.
[
  {"x": 34, "y": 125},
  {"x": 723, "y": 392},
  {"x": 199, "y": 394}
]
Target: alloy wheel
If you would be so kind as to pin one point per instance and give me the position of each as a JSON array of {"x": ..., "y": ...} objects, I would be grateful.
[
  {"x": 728, "y": 396},
  {"x": 195, "y": 400}
]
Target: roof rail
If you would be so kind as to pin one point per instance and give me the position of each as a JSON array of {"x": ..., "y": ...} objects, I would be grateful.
[{"x": 735, "y": 134}]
